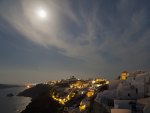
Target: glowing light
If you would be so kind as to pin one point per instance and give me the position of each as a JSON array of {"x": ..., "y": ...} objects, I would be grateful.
[
  {"x": 90, "y": 93},
  {"x": 93, "y": 81},
  {"x": 99, "y": 85},
  {"x": 82, "y": 107},
  {"x": 107, "y": 82},
  {"x": 42, "y": 13},
  {"x": 28, "y": 86},
  {"x": 82, "y": 92},
  {"x": 64, "y": 100}
]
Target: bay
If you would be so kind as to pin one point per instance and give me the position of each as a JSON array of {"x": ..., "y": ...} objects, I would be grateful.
[{"x": 13, "y": 104}]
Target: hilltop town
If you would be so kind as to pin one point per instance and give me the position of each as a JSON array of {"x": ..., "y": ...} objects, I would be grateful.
[{"x": 129, "y": 93}]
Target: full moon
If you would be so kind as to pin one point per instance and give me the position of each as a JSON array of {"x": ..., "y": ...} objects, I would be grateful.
[{"x": 42, "y": 13}]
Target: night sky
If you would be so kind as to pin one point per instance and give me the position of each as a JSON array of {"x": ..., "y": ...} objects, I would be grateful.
[{"x": 43, "y": 40}]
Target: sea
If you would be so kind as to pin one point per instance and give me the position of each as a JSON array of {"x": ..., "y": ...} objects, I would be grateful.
[{"x": 14, "y": 104}]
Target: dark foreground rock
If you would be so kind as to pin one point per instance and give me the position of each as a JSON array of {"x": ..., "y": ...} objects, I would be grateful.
[
  {"x": 43, "y": 104},
  {"x": 35, "y": 91},
  {"x": 41, "y": 101}
]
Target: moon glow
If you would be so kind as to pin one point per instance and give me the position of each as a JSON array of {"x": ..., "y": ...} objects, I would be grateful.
[{"x": 41, "y": 13}]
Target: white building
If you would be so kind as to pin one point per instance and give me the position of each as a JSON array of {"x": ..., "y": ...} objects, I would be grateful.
[
  {"x": 146, "y": 102},
  {"x": 121, "y": 111},
  {"x": 123, "y": 104},
  {"x": 136, "y": 86},
  {"x": 126, "y": 91},
  {"x": 106, "y": 97}
]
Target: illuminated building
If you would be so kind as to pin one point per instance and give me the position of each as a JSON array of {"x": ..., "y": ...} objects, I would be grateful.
[
  {"x": 82, "y": 107},
  {"x": 124, "y": 75},
  {"x": 90, "y": 93},
  {"x": 65, "y": 99},
  {"x": 78, "y": 84}
]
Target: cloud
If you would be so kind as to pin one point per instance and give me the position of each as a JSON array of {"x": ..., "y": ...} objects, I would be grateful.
[{"x": 100, "y": 34}]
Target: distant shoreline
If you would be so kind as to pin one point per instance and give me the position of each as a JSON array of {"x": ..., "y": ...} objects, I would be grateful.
[{"x": 4, "y": 86}]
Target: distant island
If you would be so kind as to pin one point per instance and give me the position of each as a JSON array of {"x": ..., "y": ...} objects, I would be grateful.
[{"x": 3, "y": 86}]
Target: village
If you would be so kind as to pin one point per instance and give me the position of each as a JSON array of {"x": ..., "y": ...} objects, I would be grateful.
[
  {"x": 75, "y": 95},
  {"x": 129, "y": 93}
]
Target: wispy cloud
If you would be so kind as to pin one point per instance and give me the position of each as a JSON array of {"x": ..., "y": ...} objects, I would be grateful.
[{"x": 100, "y": 34}]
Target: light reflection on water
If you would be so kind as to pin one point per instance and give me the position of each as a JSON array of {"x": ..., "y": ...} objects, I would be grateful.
[{"x": 13, "y": 104}]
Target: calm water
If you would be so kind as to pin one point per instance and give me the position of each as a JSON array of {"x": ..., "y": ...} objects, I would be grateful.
[{"x": 13, "y": 104}]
